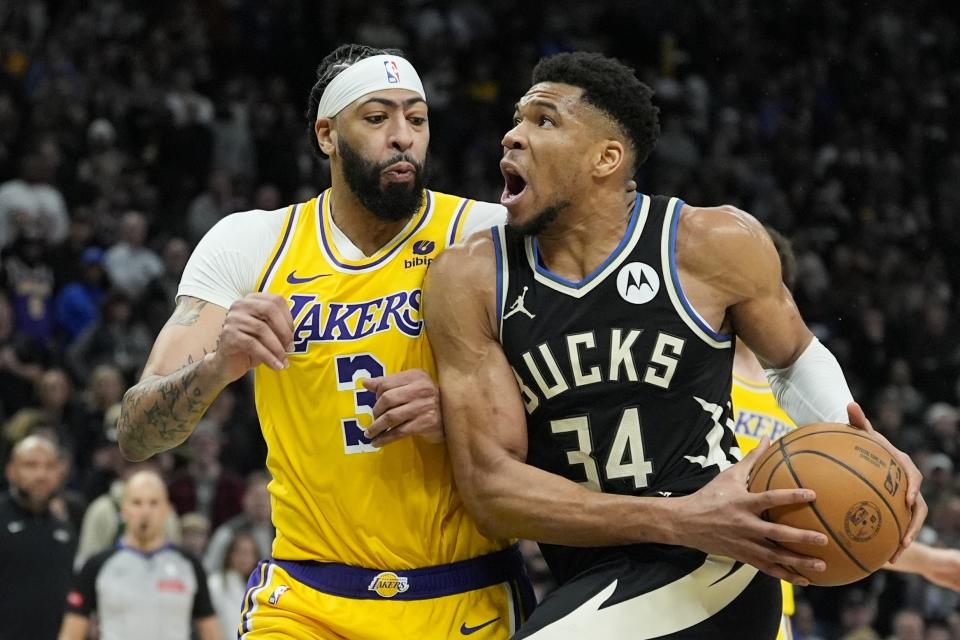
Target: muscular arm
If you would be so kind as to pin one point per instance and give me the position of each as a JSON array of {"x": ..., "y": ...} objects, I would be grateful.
[
  {"x": 486, "y": 424},
  {"x": 202, "y": 349},
  {"x": 731, "y": 271},
  {"x": 178, "y": 382}
]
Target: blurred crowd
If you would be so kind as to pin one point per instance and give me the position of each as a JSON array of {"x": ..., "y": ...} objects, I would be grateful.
[{"x": 127, "y": 129}]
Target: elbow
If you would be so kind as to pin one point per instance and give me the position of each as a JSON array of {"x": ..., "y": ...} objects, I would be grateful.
[
  {"x": 132, "y": 448},
  {"x": 130, "y": 452},
  {"x": 483, "y": 502}
]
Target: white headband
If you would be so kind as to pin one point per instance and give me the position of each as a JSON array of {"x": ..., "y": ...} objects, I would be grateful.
[{"x": 376, "y": 73}]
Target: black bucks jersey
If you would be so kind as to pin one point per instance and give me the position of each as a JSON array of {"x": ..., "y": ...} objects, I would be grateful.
[{"x": 626, "y": 389}]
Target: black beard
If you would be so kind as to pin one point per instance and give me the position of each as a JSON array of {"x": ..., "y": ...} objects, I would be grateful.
[
  {"x": 539, "y": 223},
  {"x": 391, "y": 204}
]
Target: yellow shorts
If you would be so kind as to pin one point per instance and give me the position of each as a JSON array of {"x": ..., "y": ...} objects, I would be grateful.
[{"x": 487, "y": 598}]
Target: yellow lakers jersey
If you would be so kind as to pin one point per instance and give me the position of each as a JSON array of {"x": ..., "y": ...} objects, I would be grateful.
[
  {"x": 336, "y": 498},
  {"x": 757, "y": 414}
]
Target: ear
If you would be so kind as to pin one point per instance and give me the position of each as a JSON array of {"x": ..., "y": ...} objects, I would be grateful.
[
  {"x": 326, "y": 135},
  {"x": 609, "y": 158}
]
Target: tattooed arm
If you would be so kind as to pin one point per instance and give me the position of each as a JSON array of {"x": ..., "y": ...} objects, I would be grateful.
[{"x": 201, "y": 350}]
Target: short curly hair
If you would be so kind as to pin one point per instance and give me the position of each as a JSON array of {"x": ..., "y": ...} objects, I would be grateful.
[
  {"x": 335, "y": 62},
  {"x": 613, "y": 88}
]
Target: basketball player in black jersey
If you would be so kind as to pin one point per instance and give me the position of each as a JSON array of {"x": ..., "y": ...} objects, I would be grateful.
[{"x": 585, "y": 370}]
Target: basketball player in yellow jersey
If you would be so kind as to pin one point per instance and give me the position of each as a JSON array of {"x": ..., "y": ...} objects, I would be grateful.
[
  {"x": 756, "y": 414},
  {"x": 322, "y": 300}
]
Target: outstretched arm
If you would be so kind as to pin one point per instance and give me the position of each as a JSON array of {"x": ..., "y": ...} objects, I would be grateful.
[
  {"x": 939, "y": 566},
  {"x": 486, "y": 434},
  {"x": 201, "y": 350}
]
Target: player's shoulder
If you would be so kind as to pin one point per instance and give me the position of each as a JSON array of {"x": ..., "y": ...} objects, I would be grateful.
[
  {"x": 472, "y": 262},
  {"x": 724, "y": 238},
  {"x": 252, "y": 220}
]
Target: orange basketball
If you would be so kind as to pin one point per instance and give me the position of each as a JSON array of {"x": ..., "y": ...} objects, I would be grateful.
[{"x": 861, "y": 497}]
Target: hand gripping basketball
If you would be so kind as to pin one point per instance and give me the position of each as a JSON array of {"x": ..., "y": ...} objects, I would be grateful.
[
  {"x": 915, "y": 501},
  {"x": 860, "y": 505},
  {"x": 723, "y": 518}
]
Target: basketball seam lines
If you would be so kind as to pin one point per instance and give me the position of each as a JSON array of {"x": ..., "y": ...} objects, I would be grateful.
[
  {"x": 865, "y": 481},
  {"x": 816, "y": 512}
]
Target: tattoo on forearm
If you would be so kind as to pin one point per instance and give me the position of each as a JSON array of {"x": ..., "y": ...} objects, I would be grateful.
[
  {"x": 160, "y": 413},
  {"x": 187, "y": 312}
]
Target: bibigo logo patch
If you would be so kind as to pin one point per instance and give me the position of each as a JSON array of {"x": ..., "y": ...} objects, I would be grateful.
[{"x": 388, "y": 584}]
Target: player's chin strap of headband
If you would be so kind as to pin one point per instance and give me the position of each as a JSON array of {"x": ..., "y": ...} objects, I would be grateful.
[
  {"x": 813, "y": 388},
  {"x": 376, "y": 73}
]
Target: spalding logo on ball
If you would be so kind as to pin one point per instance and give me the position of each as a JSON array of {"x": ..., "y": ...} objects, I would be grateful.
[{"x": 861, "y": 503}]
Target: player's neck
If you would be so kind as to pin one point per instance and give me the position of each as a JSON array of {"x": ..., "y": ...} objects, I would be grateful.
[
  {"x": 365, "y": 230},
  {"x": 584, "y": 234},
  {"x": 746, "y": 365}
]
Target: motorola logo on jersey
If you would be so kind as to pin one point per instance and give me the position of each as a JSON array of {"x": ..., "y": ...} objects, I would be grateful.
[
  {"x": 638, "y": 283},
  {"x": 328, "y": 321}
]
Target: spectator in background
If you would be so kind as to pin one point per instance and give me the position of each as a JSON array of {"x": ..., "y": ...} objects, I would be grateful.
[
  {"x": 27, "y": 276},
  {"x": 124, "y": 584},
  {"x": 105, "y": 391},
  {"x": 857, "y": 615},
  {"x": 159, "y": 299},
  {"x": 204, "y": 485},
  {"x": 55, "y": 398},
  {"x": 129, "y": 263},
  {"x": 36, "y": 544},
  {"x": 908, "y": 625},
  {"x": 118, "y": 337},
  {"x": 228, "y": 582},
  {"x": 77, "y": 306},
  {"x": 195, "y": 530},
  {"x": 255, "y": 520},
  {"x": 16, "y": 375},
  {"x": 67, "y": 256},
  {"x": 32, "y": 202},
  {"x": 211, "y": 205}
]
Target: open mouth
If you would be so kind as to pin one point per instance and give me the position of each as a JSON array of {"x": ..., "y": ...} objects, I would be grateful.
[{"x": 514, "y": 183}]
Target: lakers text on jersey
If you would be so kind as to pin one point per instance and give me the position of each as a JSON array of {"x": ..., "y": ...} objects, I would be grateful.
[{"x": 335, "y": 497}]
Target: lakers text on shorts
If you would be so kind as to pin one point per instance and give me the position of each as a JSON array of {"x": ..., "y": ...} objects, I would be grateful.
[{"x": 485, "y": 598}]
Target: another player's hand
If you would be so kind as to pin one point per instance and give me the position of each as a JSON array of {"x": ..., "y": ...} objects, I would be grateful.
[
  {"x": 258, "y": 329},
  {"x": 723, "y": 518},
  {"x": 914, "y": 498},
  {"x": 943, "y": 568},
  {"x": 408, "y": 404}
]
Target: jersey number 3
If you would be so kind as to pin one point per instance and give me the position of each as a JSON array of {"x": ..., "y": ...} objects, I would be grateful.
[
  {"x": 350, "y": 370},
  {"x": 628, "y": 442}
]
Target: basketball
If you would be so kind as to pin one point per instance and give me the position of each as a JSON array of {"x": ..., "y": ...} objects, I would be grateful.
[{"x": 861, "y": 498}]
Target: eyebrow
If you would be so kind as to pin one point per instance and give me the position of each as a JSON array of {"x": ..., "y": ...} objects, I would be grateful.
[
  {"x": 540, "y": 102},
  {"x": 409, "y": 102}
]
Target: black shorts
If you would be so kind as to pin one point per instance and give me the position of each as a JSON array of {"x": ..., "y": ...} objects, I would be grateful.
[{"x": 630, "y": 599}]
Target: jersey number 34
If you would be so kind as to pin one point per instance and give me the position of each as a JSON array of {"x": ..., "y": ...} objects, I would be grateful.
[{"x": 627, "y": 443}]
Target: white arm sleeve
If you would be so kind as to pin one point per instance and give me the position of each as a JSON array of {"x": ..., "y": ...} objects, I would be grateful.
[
  {"x": 228, "y": 259},
  {"x": 813, "y": 388},
  {"x": 482, "y": 216}
]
